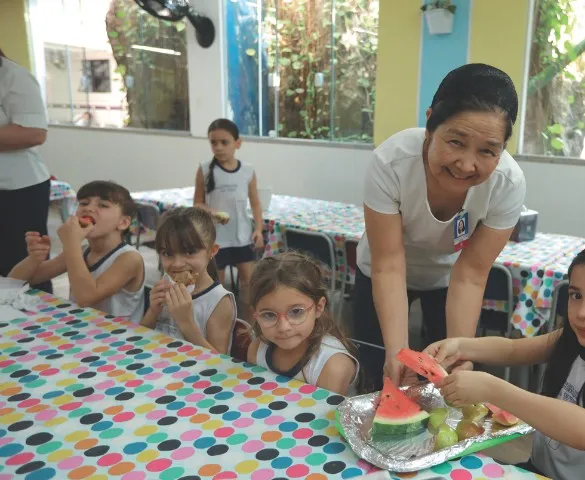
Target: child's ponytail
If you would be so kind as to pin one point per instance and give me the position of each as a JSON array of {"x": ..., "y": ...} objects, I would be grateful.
[{"x": 210, "y": 180}]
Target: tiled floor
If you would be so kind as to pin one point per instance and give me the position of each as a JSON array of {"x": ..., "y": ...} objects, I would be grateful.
[{"x": 512, "y": 452}]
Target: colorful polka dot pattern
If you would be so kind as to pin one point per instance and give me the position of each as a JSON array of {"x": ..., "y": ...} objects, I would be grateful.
[
  {"x": 87, "y": 396},
  {"x": 61, "y": 191},
  {"x": 536, "y": 267},
  {"x": 473, "y": 467}
]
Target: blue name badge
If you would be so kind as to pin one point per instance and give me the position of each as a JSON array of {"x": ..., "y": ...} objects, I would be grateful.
[{"x": 460, "y": 230}]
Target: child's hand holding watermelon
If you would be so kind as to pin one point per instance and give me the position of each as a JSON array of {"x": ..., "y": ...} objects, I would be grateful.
[
  {"x": 446, "y": 352},
  {"x": 467, "y": 388}
]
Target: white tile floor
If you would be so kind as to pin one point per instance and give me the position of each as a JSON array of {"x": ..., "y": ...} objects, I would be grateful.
[{"x": 512, "y": 452}]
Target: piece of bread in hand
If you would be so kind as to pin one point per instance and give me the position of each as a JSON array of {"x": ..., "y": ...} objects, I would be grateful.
[
  {"x": 184, "y": 278},
  {"x": 222, "y": 217},
  {"x": 86, "y": 221}
]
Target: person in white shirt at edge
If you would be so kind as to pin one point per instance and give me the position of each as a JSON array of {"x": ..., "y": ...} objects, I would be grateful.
[
  {"x": 296, "y": 335},
  {"x": 24, "y": 179},
  {"x": 224, "y": 185},
  {"x": 422, "y": 186},
  {"x": 109, "y": 274}
]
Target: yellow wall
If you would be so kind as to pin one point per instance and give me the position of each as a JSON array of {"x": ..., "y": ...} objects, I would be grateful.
[
  {"x": 397, "y": 67},
  {"x": 506, "y": 49},
  {"x": 13, "y": 31},
  {"x": 498, "y": 33}
]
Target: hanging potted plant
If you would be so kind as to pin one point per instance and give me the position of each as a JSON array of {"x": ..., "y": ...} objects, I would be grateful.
[{"x": 439, "y": 16}]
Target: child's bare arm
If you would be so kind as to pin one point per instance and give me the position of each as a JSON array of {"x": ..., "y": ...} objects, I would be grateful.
[
  {"x": 557, "y": 419},
  {"x": 219, "y": 325},
  {"x": 337, "y": 374},
  {"x": 253, "y": 350},
  {"x": 89, "y": 291},
  {"x": 494, "y": 350},
  {"x": 199, "y": 199},
  {"x": 35, "y": 268},
  {"x": 255, "y": 203},
  {"x": 34, "y": 273}
]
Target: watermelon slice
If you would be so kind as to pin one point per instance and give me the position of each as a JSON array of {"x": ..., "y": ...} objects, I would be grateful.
[
  {"x": 422, "y": 364},
  {"x": 502, "y": 417},
  {"x": 397, "y": 414}
]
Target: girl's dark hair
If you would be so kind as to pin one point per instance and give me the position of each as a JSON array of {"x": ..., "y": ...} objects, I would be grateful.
[
  {"x": 564, "y": 353},
  {"x": 475, "y": 87},
  {"x": 112, "y": 192},
  {"x": 301, "y": 273},
  {"x": 232, "y": 129},
  {"x": 187, "y": 229}
]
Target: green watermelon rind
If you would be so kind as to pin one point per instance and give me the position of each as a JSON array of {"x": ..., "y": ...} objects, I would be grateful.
[{"x": 388, "y": 427}]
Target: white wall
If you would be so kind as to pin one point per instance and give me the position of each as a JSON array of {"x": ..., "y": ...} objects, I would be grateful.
[
  {"x": 153, "y": 161},
  {"x": 557, "y": 192}
]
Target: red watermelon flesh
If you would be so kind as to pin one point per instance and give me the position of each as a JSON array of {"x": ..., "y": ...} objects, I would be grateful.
[
  {"x": 422, "y": 364},
  {"x": 501, "y": 416},
  {"x": 397, "y": 414}
]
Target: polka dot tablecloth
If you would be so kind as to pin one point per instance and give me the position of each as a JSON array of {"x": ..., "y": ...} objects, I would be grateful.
[
  {"x": 64, "y": 196},
  {"x": 61, "y": 191},
  {"x": 87, "y": 396},
  {"x": 536, "y": 266},
  {"x": 471, "y": 467}
]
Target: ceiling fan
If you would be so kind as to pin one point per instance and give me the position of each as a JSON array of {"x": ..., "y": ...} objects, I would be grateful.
[{"x": 175, "y": 10}]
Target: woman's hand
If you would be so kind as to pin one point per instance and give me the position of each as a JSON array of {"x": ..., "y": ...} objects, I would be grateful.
[
  {"x": 449, "y": 354},
  {"x": 393, "y": 369},
  {"x": 258, "y": 239},
  {"x": 466, "y": 388},
  {"x": 37, "y": 246},
  {"x": 180, "y": 305},
  {"x": 158, "y": 295}
]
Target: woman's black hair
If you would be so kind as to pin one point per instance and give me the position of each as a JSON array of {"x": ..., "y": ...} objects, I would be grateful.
[
  {"x": 475, "y": 87},
  {"x": 232, "y": 129},
  {"x": 566, "y": 350}
]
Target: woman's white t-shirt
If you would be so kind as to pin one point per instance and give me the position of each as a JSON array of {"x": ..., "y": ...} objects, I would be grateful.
[
  {"x": 396, "y": 184},
  {"x": 231, "y": 196},
  {"x": 21, "y": 104}
]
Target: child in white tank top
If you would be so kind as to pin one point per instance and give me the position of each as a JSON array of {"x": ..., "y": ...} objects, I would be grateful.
[
  {"x": 223, "y": 186},
  {"x": 558, "y": 415},
  {"x": 188, "y": 302},
  {"x": 296, "y": 335},
  {"x": 109, "y": 275}
]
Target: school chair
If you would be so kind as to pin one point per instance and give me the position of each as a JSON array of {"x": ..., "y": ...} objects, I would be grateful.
[
  {"x": 498, "y": 288},
  {"x": 241, "y": 340},
  {"x": 147, "y": 216},
  {"x": 320, "y": 247},
  {"x": 350, "y": 263},
  {"x": 369, "y": 355}
]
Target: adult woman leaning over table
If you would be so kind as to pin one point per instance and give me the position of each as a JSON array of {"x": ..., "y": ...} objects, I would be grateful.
[{"x": 440, "y": 203}]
